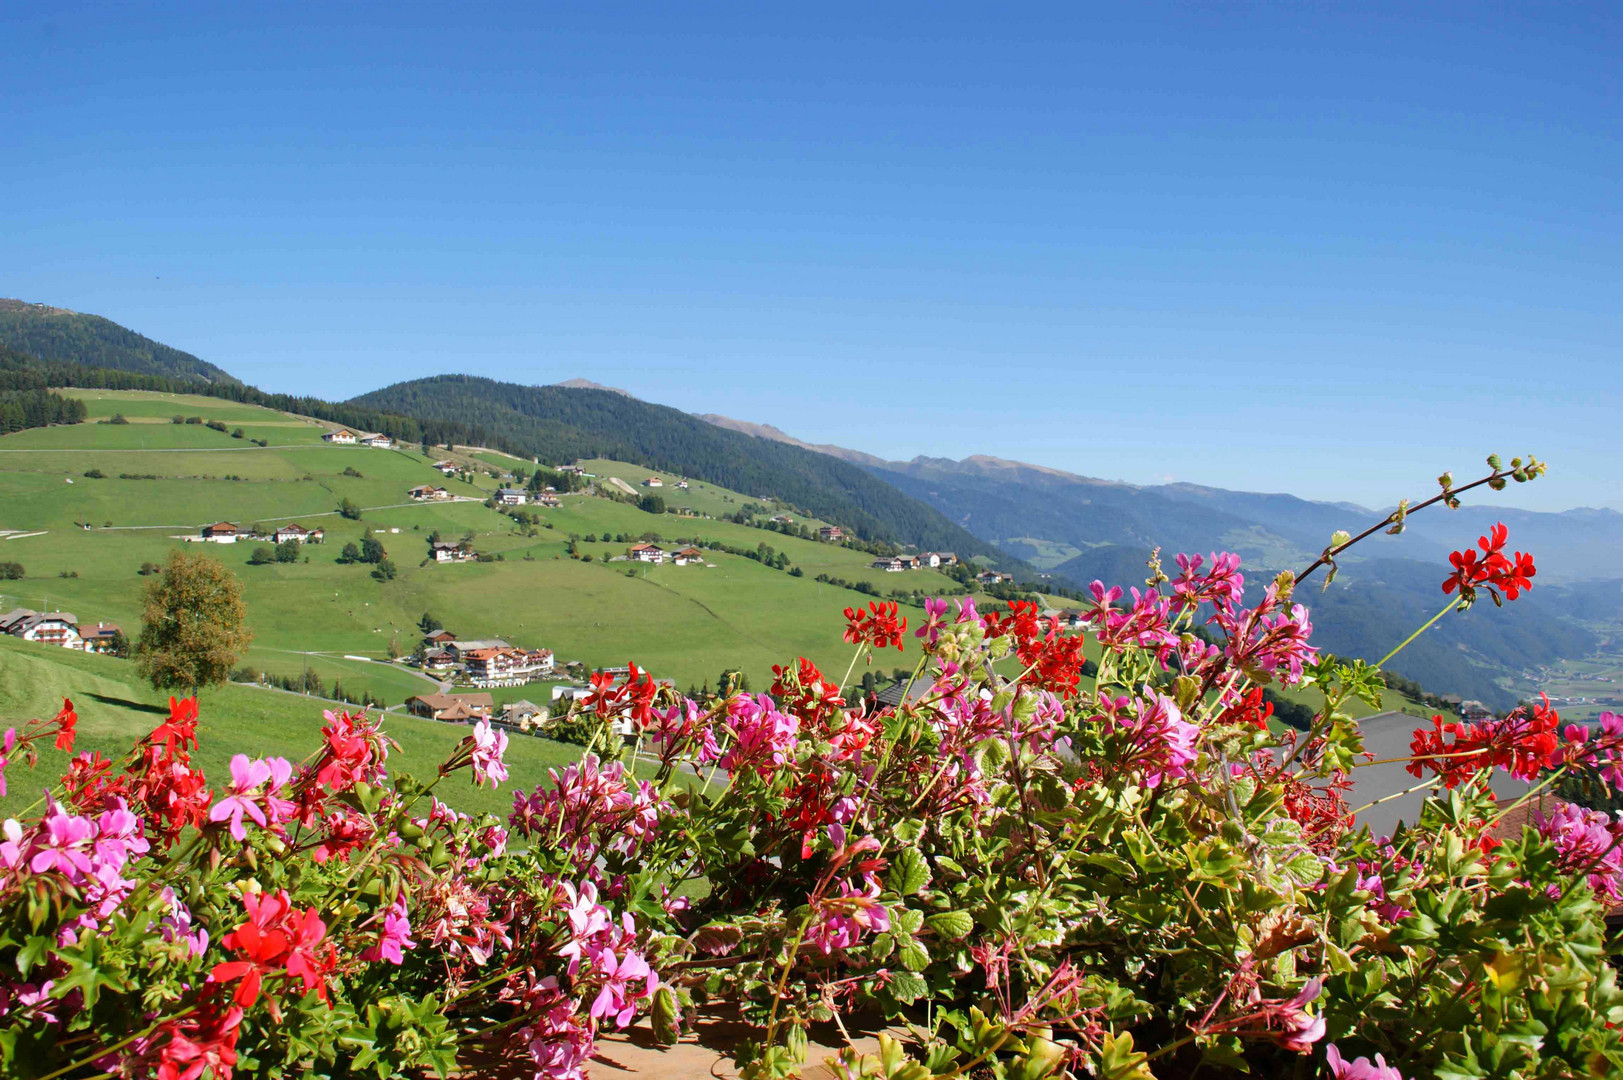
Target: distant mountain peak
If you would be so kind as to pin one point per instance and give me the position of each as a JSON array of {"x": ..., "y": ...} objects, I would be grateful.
[
  {"x": 777, "y": 434},
  {"x": 588, "y": 384}
]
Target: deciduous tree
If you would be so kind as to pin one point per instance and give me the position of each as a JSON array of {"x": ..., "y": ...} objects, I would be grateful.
[{"x": 193, "y": 627}]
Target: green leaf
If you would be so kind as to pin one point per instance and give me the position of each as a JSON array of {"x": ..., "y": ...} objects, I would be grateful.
[
  {"x": 909, "y": 873},
  {"x": 717, "y": 939},
  {"x": 907, "y": 987},
  {"x": 906, "y": 921},
  {"x": 1306, "y": 869},
  {"x": 1119, "y": 1061},
  {"x": 951, "y": 925},
  {"x": 665, "y": 1013},
  {"x": 33, "y": 951},
  {"x": 913, "y": 955}
]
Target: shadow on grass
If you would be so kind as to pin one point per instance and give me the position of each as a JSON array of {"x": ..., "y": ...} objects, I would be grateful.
[{"x": 138, "y": 706}]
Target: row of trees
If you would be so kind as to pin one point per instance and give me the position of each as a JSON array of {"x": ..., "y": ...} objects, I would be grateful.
[{"x": 23, "y": 409}]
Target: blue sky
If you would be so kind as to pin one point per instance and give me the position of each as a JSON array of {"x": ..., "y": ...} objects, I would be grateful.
[{"x": 1263, "y": 247}]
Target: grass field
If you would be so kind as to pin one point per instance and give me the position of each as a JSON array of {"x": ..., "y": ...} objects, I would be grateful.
[
  {"x": 115, "y": 708},
  {"x": 685, "y": 623}
]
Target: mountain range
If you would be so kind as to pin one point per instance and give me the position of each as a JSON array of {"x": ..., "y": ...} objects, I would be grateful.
[
  {"x": 1047, "y": 526},
  {"x": 1078, "y": 528},
  {"x": 1071, "y": 524}
]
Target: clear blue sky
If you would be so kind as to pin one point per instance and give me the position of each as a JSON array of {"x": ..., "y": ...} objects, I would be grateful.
[{"x": 1282, "y": 248}]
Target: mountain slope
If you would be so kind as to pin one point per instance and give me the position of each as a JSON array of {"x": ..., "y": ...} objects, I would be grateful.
[
  {"x": 51, "y": 333},
  {"x": 561, "y": 424}
]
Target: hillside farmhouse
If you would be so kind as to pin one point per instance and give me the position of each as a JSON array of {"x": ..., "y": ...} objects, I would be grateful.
[
  {"x": 892, "y": 565},
  {"x": 935, "y": 559},
  {"x": 101, "y": 637},
  {"x": 464, "y": 708},
  {"x": 447, "y": 468},
  {"x": 573, "y": 470},
  {"x": 452, "y": 553},
  {"x": 295, "y": 531},
  {"x": 681, "y": 485},
  {"x": 221, "y": 532},
  {"x": 649, "y": 553},
  {"x": 653, "y": 482},
  {"x": 439, "y": 637},
  {"x": 522, "y": 714},
  {"x": 462, "y": 648},
  {"x": 438, "y": 659},
  {"x": 428, "y": 493},
  {"x": 512, "y": 496},
  {"x": 46, "y": 627},
  {"x": 687, "y": 555},
  {"x": 993, "y": 577},
  {"x": 831, "y": 533},
  {"x": 339, "y": 437},
  {"x": 375, "y": 440},
  {"x": 547, "y": 498}
]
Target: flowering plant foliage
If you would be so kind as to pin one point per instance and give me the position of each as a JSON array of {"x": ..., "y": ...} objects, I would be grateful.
[{"x": 1136, "y": 877}]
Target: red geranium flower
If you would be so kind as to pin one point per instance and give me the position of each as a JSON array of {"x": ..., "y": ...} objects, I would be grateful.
[
  {"x": 179, "y": 732},
  {"x": 1490, "y": 570},
  {"x": 66, "y": 721},
  {"x": 878, "y": 626},
  {"x": 1250, "y": 709},
  {"x": 277, "y": 937},
  {"x": 204, "y": 1040},
  {"x": 805, "y": 692},
  {"x": 1522, "y": 744}
]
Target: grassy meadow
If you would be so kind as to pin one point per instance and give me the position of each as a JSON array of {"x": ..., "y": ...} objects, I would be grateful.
[
  {"x": 684, "y": 623},
  {"x": 116, "y": 708}
]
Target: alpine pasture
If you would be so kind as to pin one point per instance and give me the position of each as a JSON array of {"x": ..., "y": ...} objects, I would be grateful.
[{"x": 162, "y": 481}]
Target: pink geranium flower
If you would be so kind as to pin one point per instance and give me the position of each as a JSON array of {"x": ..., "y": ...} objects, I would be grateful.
[
  {"x": 1361, "y": 1069},
  {"x": 616, "y": 999},
  {"x": 396, "y": 936},
  {"x": 488, "y": 747},
  {"x": 246, "y": 799}
]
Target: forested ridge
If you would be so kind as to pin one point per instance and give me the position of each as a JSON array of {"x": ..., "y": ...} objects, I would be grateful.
[
  {"x": 559, "y": 424},
  {"x": 31, "y": 372},
  {"x": 50, "y": 333}
]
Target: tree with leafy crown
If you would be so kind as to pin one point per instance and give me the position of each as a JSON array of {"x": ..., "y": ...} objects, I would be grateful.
[{"x": 193, "y": 631}]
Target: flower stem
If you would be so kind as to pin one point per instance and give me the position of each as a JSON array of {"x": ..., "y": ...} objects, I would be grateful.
[{"x": 1430, "y": 623}]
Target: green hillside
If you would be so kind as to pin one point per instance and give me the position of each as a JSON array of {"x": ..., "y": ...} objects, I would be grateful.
[
  {"x": 115, "y": 708},
  {"x": 685, "y": 623},
  {"x": 51, "y": 333},
  {"x": 562, "y": 424}
]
